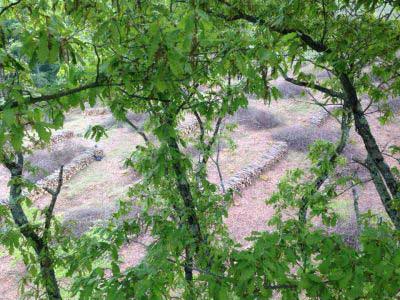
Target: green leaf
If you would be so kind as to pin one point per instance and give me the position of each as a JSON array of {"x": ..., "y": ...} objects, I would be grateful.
[
  {"x": 9, "y": 117},
  {"x": 43, "y": 132},
  {"x": 43, "y": 48}
]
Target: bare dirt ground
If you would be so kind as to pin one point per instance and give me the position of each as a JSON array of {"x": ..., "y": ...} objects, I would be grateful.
[
  {"x": 250, "y": 212},
  {"x": 91, "y": 194},
  {"x": 10, "y": 274}
]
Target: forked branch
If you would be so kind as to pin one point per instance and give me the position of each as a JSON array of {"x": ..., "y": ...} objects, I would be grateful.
[{"x": 54, "y": 196}]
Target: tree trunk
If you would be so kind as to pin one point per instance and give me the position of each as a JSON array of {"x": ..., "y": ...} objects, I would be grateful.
[
  {"x": 41, "y": 248},
  {"x": 184, "y": 190},
  {"x": 189, "y": 215},
  {"x": 381, "y": 188},
  {"x": 389, "y": 186}
]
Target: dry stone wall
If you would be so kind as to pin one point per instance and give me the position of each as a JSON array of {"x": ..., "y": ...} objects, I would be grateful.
[
  {"x": 61, "y": 136},
  {"x": 187, "y": 129},
  {"x": 97, "y": 111},
  {"x": 77, "y": 164},
  {"x": 249, "y": 174},
  {"x": 322, "y": 116}
]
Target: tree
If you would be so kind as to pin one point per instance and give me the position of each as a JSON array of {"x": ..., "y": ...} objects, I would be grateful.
[
  {"x": 37, "y": 34},
  {"x": 162, "y": 61},
  {"x": 324, "y": 34},
  {"x": 174, "y": 58}
]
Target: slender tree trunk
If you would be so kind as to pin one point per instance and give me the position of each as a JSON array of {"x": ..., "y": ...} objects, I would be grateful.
[
  {"x": 218, "y": 166},
  {"x": 385, "y": 182},
  {"x": 319, "y": 181},
  {"x": 356, "y": 198},
  {"x": 345, "y": 129},
  {"x": 39, "y": 244},
  {"x": 189, "y": 216},
  {"x": 184, "y": 190}
]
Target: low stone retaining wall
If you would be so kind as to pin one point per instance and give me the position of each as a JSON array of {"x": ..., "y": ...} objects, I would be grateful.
[
  {"x": 249, "y": 174},
  {"x": 96, "y": 111},
  {"x": 322, "y": 116},
  {"x": 187, "y": 129},
  {"x": 77, "y": 164},
  {"x": 61, "y": 136}
]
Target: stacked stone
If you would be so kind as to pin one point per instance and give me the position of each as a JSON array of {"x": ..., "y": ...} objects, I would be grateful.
[
  {"x": 77, "y": 164},
  {"x": 96, "y": 111},
  {"x": 61, "y": 136},
  {"x": 187, "y": 129},
  {"x": 322, "y": 116},
  {"x": 246, "y": 176}
]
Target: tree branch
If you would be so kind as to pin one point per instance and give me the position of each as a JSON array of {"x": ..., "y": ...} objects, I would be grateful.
[
  {"x": 209, "y": 145},
  {"x": 54, "y": 196},
  {"x": 206, "y": 272},
  {"x": 33, "y": 100},
  {"x": 319, "y": 181},
  {"x": 136, "y": 128},
  {"x": 5, "y": 8},
  {"x": 239, "y": 15},
  {"x": 98, "y": 63},
  {"x": 217, "y": 165},
  {"x": 317, "y": 87},
  {"x": 201, "y": 126}
]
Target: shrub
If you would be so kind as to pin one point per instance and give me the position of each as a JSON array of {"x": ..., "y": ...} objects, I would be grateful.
[
  {"x": 110, "y": 122},
  {"x": 394, "y": 105},
  {"x": 137, "y": 118},
  {"x": 78, "y": 221},
  {"x": 194, "y": 152},
  {"x": 254, "y": 118},
  {"x": 299, "y": 138},
  {"x": 323, "y": 74},
  {"x": 288, "y": 89},
  {"x": 46, "y": 161},
  {"x": 347, "y": 230},
  {"x": 191, "y": 150}
]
